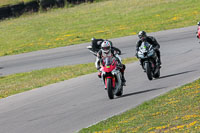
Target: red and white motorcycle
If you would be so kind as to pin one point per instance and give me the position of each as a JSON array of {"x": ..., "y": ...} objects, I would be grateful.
[
  {"x": 198, "y": 33},
  {"x": 112, "y": 77}
]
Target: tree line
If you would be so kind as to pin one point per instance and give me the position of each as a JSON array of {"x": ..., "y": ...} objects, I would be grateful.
[{"x": 18, "y": 9}]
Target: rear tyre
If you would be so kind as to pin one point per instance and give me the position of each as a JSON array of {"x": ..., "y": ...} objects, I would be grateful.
[
  {"x": 157, "y": 75},
  {"x": 148, "y": 71},
  {"x": 110, "y": 88},
  {"x": 120, "y": 92},
  {"x": 117, "y": 50}
]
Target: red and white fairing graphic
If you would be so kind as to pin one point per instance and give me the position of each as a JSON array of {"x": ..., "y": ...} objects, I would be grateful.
[
  {"x": 198, "y": 32},
  {"x": 111, "y": 77}
]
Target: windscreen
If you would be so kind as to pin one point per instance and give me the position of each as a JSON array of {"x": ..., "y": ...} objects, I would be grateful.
[
  {"x": 108, "y": 61},
  {"x": 145, "y": 45}
]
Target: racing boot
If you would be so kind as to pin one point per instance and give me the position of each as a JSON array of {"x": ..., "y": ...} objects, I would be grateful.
[
  {"x": 159, "y": 63},
  {"x": 99, "y": 74},
  {"x": 123, "y": 80},
  {"x": 143, "y": 68}
]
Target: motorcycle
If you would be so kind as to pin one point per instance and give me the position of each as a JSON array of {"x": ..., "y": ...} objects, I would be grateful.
[
  {"x": 94, "y": 49},
  {"x": 198, "y": 34},
  {"x": 149, "y": 60},
  {"x": 112, "y": 77}
]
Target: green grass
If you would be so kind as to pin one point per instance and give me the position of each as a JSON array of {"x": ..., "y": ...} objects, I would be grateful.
[
  {"x": 175, "y": 111},
  {"x": 11, "y": 2},
  {"x": 106, "y": 19},
  {"x": 21, "y": 82}
]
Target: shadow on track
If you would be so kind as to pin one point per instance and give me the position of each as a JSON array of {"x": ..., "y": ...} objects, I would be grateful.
[
  {"x": 139, "y": 92},
  {"x": 1, "y": 73},
  {"x": 166, "y": 76}
]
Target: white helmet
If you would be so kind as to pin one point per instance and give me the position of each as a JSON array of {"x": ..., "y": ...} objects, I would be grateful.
[
  {"x": 106, "y": 47},
  {"x": 198, "y": 23}
]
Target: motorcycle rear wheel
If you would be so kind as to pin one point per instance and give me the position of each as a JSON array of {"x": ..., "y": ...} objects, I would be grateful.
[
  {"x": 119, "y": 93},
  {"x": 117, "y": 50},
  {"x": 157, "y": 75}
]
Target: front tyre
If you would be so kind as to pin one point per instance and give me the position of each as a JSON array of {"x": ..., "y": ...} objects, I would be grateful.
[
  {"x": 110, "y": 88},
  {"x": 148, "y": 70}
]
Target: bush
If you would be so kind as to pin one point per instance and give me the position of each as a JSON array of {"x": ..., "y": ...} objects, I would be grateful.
[
  {"x": 17, "y": 9},
  {"x": 5, "y": 12},
  {"x": 45, "y": 4},
  {"x": 32, "y": 6},
  {"x": 60, "y": 3}
]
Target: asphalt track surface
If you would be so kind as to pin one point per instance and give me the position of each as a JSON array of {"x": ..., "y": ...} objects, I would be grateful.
[{"x": 68, "y": 106}]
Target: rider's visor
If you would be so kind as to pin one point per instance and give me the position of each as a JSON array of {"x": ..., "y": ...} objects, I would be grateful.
[
  {"x": 106, "y": 48},
  {"x": 142, "y": 38}
]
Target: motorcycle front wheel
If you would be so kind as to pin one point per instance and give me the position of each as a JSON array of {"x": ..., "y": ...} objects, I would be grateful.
[
  {"x": 110, "y": 88},
  {"x": 148, "y": 70}
]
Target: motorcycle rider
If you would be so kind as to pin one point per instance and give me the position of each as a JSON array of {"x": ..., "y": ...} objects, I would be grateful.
[
  {"x": 151, "y": 40},
  {"x": 96, "y": 44},
  {"x": 106, "y": 51}
]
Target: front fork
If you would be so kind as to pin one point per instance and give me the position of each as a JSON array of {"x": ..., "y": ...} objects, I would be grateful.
[
  {"x": 151, "y": 64},
  {"x": 113, "y": 81}
]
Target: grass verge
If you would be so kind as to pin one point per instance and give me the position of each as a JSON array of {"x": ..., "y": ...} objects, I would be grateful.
[
  {"x": 106, "y": 19},
  {"x": 175, "y": 111},
  {"x": 21, "y": 82}
]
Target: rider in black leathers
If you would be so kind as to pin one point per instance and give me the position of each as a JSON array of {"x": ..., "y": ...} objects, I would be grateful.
[
  {"x": 96, "y": 44},
  {"x": 143, "y": 37}
]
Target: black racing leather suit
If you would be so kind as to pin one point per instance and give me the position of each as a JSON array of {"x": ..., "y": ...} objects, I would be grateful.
[
  {"x": 96, "y": 44},
  {"x": 151, "y": 40}
]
